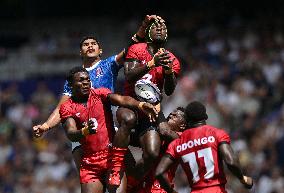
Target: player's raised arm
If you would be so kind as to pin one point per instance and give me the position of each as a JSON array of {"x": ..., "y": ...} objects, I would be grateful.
[
  {"x": 232, "y": 162},
  {"x": 134, "y": 69},
  {"x": 129, "y": 102},
  {"x": 139, "y": 36},
  {"x": 170, "y": 78},
  {"x": 52, "y": 121}
]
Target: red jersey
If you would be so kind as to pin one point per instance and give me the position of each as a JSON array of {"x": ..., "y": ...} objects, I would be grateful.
[
  {"x": 156, "y": 75},
  {"x": 98, "y": 109},
  {"x": 197, "y": 150}
]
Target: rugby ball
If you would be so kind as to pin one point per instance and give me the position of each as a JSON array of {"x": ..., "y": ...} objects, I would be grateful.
[{"x": 147, "y": 91}]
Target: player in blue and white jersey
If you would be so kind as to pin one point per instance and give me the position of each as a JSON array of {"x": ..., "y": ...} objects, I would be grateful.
[{"x": 103, "y": 73}]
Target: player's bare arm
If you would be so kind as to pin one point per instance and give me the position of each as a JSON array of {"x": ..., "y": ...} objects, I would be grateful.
[
  {"x": 161, "y": 174},
  {"x": 52, "y": 121},
  {"x": 73, "y": 133},
  {"x": 170, "y": 78},
  {"x": 129, "y": 102},
  {"x": 232, "y": 162},
  {"x": 139, "y": 36},
  {"x": 134, "y": 70}
]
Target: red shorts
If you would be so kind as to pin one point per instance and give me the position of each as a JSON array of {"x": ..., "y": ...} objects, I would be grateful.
[
  {"x": 155, "y": 187},
  {"x": 211, "y": 189},
  {"x": 94, "y": 167}
]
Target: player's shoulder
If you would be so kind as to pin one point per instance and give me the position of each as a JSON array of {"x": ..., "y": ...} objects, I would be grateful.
[
  {"x": 98, "y": 91},
  {"x": 68, "y": 105},
  {"x": 109, "y": 59},
  {"x": 216, "y": 130},
  {"x": 68, "y": 102},
  {"x": 106, "y": 61},
  {"x": 138, "y": 46}
]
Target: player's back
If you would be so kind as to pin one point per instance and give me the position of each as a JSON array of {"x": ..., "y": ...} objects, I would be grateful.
[{"x": 197, "y": 149}]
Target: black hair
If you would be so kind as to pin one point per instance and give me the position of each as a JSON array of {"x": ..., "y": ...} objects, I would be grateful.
[
  {"x": 74, "y": 70},
  {"x": 195, "y": 112},
  {"x": 181, "y": 109},
  {"x": 89, "y": 37}
]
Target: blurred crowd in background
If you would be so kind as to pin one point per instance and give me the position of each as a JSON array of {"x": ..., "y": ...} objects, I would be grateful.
[{"x": 235, "y": 66}]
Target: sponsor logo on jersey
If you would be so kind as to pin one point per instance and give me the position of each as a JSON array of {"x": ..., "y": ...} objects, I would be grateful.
[
  {"x": 99, "y": 72},
  {"x": 195, "y": 142}
]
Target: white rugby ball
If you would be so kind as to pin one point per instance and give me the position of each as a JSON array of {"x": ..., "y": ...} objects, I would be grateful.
[{"x": 147, "y": 91}]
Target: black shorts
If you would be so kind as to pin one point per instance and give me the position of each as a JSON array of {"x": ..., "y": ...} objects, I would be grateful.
[{"x": 143, "y": 125}]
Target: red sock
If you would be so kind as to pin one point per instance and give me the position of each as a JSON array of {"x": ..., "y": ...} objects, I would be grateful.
[{"x": 117, "y": 164}]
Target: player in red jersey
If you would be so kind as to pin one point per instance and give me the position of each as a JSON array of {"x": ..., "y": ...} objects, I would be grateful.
[
  {"x": 87, "y": 118},
  {"x": 106, "y": 70},
  {"x": 201, "y": 149},
  {"x": 153, "y": 64},
  {"x": 176, "y": 123}
]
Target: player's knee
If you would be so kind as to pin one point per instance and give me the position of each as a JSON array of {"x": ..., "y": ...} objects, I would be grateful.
[
  {"x": 152, "y": 154},
  {"x": 129, "y": 119}
]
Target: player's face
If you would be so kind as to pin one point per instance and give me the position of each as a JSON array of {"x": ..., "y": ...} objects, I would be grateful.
[
  {"x": 158, "y": 32},
  {"x": 90, "y": 49},
  {"x": 176, "y": 120},
  {"x": 81, "y": 84}
]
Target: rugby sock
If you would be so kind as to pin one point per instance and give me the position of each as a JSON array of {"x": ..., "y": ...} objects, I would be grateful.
[{"x": 117, "y": 165}]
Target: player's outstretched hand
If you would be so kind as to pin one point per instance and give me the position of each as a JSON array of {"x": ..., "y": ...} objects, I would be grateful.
[
  {"x": 149, "y": 18},
  {"x": 149, "y": 110},
  {"x": 247, "y": 182},
  {"x": 38, "y": 130}
]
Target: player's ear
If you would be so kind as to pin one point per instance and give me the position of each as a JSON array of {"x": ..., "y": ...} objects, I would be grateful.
[{"x": 101, "y": 52}]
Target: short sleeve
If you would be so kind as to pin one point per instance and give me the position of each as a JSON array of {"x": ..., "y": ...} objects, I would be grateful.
[
  {"x": 222, "y": 136},
  {"x": 65, "y": 112},
  {"x": 103, "y": 93},
  {"x": 176, "y": 66},
  {"x": 131, "y": 52},
  {"x": 67, "y": 90},
  {"x": 113, "y": 64},
  {"x": 171, "y": 150}
]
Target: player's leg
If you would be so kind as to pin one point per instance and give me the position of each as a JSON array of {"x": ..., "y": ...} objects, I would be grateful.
[
  {"x": 92, "y": 187},
  {"x": 77, "y": 154},
  {"x": 150, "y": 143},
  {"x": 121, "y": 188},
  {"x": 127, "y": 120}
]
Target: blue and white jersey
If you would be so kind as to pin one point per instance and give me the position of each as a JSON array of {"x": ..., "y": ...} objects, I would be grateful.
[{"x": 102, "y": 74}]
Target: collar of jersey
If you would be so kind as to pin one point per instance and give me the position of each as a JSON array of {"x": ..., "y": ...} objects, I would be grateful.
[{"x": 94, "y": 66}]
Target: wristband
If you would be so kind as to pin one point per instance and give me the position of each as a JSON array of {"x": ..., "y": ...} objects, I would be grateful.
[
  {"x": 85, "y": 131},
  {"x": 140, "y": 105}
]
